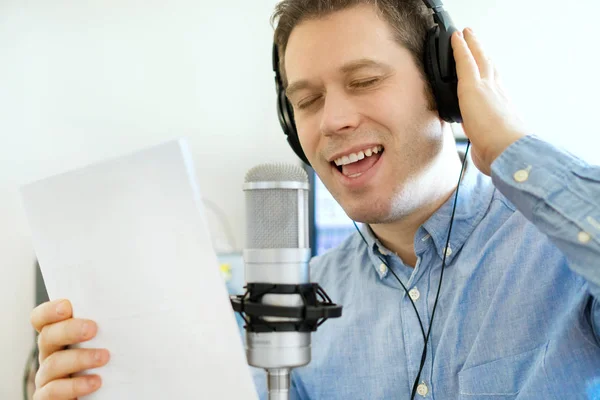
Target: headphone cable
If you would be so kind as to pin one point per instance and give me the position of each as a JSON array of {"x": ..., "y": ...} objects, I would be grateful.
[
  {"x": 426, "y": 337},
  {"x": 424, "y": 355}
]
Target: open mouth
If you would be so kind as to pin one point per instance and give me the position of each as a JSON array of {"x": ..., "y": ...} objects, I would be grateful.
[{"x": 355, "y": 164}]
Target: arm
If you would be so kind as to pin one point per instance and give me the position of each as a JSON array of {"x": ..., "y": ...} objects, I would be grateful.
[{"x": 559, "y": 193}]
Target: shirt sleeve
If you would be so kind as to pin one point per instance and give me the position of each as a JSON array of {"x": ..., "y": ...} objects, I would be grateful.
[{"x": 560, "y": 195}]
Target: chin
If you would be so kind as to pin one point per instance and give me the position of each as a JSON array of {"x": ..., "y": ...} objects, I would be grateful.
[
  {"x": 369, "y": 212},
  {"x": 380, "y": 208}
]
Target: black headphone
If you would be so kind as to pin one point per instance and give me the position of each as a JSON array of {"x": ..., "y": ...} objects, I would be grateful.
[{"x": 440, "y": 68}]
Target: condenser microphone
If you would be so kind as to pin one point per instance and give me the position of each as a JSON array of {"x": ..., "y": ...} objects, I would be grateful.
[{"x": 281, "y": 307}]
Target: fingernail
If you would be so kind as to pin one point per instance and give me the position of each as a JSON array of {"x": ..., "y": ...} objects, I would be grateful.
[
  {"x": 61, "y": 308},
  {"x": 101, "y": 356},
  {"x": 85, "y": 329},
  {"x": 93, "y": 382}
]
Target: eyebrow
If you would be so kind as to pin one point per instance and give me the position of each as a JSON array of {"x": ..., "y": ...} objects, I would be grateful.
[{"x": 347, "y": 68}]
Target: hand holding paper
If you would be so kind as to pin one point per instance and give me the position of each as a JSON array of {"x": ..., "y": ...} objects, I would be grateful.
[{"x": 126, "y": 242}]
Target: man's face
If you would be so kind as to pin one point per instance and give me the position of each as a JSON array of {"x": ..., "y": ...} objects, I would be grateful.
[{"x": 357, "y": 93}]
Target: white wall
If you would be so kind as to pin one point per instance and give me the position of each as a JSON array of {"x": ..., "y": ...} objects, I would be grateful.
[
  {"x": 84, "y": 80},
  {"x": 548, "y": 60}
]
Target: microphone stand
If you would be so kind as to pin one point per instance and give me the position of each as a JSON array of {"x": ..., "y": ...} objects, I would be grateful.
[
  {"x": 278, "y": 383},
  {"x": 278, "y": 336}
]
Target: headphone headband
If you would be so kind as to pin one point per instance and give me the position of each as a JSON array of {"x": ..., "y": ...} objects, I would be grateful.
[{"x": 433, "y": 4}]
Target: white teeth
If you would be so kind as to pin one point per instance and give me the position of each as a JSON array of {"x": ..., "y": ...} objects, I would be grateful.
[{"x": 354, "y": 157}]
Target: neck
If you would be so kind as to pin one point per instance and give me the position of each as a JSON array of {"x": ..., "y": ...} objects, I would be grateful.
[{"x": 399, "y": 235}]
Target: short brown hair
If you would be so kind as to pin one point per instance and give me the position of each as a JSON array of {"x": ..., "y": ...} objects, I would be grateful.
[{"x": 409, "y": 19}]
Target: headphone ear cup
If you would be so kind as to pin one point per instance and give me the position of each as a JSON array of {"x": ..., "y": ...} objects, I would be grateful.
[
  {"x": 428, "y": 60},
  {"x": 286, "y": 120},
  {"x": 285, "y": 111},
  {"x": 444, "y": 91}
]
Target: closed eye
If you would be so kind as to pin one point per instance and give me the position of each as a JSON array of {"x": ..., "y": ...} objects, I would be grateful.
[
  {"x": 359, "y": 84},
  {"x": 307, "y": 103},
  {"x": 364, "y": 83}
]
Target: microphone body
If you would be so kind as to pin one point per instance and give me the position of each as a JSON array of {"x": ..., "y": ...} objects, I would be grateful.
[
  {"x": 278, "y": 252},
  {"x": 280, "y": 306},
  {"x": 278, "y": 266}
]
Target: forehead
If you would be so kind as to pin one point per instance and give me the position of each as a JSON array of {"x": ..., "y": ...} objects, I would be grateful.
[{"x": 338, "y": 38}]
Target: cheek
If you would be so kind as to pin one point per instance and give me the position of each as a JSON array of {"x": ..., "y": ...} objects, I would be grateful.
[
  {"x": 406, "y": 113},
  {"x": 404, "y": 104}
]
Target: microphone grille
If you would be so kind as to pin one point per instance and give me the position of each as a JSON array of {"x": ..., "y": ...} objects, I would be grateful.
[
  {"x": 277, "y": 216},
  {"x": 276, "y": 172}
]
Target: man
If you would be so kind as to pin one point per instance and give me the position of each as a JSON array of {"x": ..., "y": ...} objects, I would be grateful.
[{"x": 517, "y": 315}]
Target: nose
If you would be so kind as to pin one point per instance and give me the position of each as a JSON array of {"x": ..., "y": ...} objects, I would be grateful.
[{"x": 339, "y": 114}]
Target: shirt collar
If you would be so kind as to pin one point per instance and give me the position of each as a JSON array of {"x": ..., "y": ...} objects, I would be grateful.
[{"x": 474, "y": 196}]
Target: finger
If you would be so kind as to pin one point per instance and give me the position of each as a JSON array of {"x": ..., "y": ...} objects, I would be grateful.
[
  {"x": 486, "y": 69},
  {"x": 50, "y": 312},
  {"x": 66, "y": 389},
  {"x": 64, "y": 363},
  {"x": 466, "y": 67},
  {"x": 60, "y": 334}
]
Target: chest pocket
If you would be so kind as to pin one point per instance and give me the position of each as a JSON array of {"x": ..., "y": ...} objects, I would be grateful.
[{"x": 501, "y": 379}]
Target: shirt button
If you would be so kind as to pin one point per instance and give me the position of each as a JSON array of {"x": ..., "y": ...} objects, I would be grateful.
[
  {"x": 422, "y": 389},
  {"x": 383, "y": 268},
  {"x": 448, "y": 251},
  {"x": 584, "y": 237},
  {"x": 414, "y": 294},
  {"x": 521, "y": 175}
]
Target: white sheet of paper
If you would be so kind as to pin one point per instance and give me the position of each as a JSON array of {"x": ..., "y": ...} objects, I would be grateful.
[{"x": 126, "y": 241}]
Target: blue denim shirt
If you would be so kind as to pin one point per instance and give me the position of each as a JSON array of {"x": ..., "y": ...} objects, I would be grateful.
[{"x": 518, "y": 315}]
